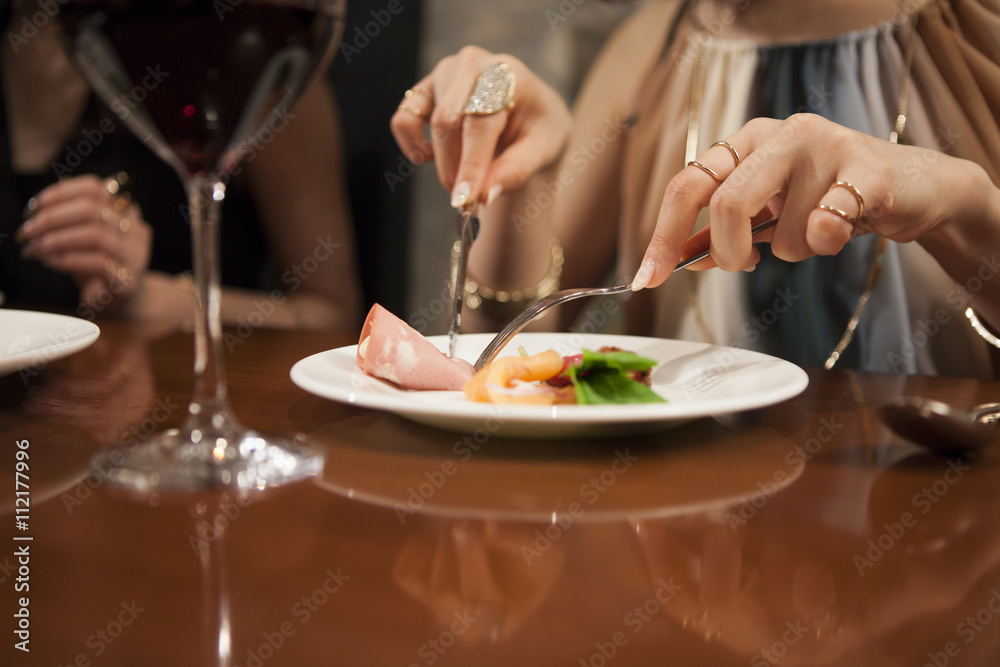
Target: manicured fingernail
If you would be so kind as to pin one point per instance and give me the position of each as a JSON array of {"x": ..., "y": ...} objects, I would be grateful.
[
  {"x": 644, "y": 275},
  {"x": 749, "y": 269},
  {"x": 493, "y": 193},
  {"x": 30, "y": 208},
  {"x": 460, "y": 194},
  {"x": 22, "y": 232}
]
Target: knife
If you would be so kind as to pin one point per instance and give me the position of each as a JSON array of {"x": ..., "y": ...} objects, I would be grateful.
[{"x": 468, "y": 231}]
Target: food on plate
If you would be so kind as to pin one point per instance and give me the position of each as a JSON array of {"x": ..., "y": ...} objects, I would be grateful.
[
  {"x": 392, "y": 350},
  {"x": 521, "y": 380},
  {"x": 609, "y": 375}
]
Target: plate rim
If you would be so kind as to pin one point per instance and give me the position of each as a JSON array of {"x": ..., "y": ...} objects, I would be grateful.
[{"x": 52, "y": 351}]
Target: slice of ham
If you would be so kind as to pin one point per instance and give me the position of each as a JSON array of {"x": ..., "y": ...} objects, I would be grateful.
[{"x": 392, "y": 350}]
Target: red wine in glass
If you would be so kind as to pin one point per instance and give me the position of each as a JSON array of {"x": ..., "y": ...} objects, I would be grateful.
[{"x": 204, "y": 83}]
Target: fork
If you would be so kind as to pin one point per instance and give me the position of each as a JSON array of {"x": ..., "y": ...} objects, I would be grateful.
[{"x": 541, "y": 305}]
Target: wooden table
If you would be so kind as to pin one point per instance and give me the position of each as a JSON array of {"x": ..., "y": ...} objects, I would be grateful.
[{"x": 800, "y": 534}]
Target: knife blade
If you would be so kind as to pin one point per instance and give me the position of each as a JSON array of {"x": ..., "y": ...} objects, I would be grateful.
[{"x": 468, "y": 231}]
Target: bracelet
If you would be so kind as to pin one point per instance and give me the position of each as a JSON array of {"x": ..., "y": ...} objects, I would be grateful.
[
  {"x": 980, "y": 328},
  {"x": 478, "y": 296}
]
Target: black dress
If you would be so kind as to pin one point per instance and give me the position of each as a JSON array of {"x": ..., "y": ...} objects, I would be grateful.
[{"x": 104, "y": 146}]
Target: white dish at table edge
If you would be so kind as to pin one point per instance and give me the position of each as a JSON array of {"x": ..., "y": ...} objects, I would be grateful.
[
  {"x": 697, "y": 380},
  {"x": 32, "y": 339}
]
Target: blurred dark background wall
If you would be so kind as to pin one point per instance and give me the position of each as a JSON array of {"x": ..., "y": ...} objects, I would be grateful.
[{"x": 376, "y": 62}]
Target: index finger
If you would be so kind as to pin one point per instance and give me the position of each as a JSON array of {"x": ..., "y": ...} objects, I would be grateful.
[
  {"x": 480, "y": 137},
  {"x": 407, "y": 123},
  {"x": 86, "y": 185},
  {"x": 687, "y": 193}
]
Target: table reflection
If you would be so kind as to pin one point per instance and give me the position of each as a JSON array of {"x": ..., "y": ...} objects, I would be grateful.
[
  {"x": 414, "y": 469},
  {"x": 482, "y": 580},
  {"x": 789, "y": 585},
  {"x": 801, "y": 534}
]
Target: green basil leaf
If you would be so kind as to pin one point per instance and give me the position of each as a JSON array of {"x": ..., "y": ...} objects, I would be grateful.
[
  {"x": 602, "y": 388},
  {"x": 619, "y": 359},
  {"x": 602, "y": 378}
]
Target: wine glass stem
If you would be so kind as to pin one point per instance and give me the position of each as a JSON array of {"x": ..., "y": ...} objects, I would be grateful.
[
  {"x": 216, "y": 615},
  {"x": 205, "y": 195}
]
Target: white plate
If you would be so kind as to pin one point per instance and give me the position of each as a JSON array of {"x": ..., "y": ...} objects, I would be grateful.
[
  {"x": 30, "y": 339},
  {"x": 696, "y": 379}
]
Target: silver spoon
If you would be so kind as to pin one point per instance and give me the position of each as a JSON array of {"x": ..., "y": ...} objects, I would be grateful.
[{"x": 941, "y": 427}]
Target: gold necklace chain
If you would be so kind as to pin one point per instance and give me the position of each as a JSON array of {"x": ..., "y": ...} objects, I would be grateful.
[{"x": 875, "y": 269}]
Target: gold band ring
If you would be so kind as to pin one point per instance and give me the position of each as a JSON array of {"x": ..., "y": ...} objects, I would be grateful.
[
  {"x": 413, "y": 111},
  {"x": 419, "y": 90},
  {"x": 120, "y": 200},
  {"x": 115, "y": 185},
  {"x": 410, "y": 92},
  {"x": 122, "y": 224},
  {"x": 855, "y": 192},
  {"x": 730, "y": 147},
  {"x": 707, "y": 170},
  {"x": 115, "y": 270},
  {"x": 840, "y": 212},
  {"x": 493, "y": 91}
]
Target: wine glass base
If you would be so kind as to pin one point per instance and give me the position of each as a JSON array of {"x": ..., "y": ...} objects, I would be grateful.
[{"x": 183, "y": 461}]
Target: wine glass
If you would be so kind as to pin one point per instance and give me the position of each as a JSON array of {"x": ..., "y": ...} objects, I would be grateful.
[{"x": 202, "y": 82}]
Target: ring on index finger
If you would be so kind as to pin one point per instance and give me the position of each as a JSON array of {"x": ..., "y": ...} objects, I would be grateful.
[
  {"x": 711, "y": 172},
  {"x": 409, "y": 94},
  {"x": 493, "y": 91},
  {"x": 419, "y": 90},
  {"x": 708, "y": 170}
]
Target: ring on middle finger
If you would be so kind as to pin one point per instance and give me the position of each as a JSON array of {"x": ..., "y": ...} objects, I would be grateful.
[
  {"x": 729, "y": 147},
  {"x": 120, "y": 199},
  {"x": 122, "y": 224},
  {"x": 841, "y": 213},
  {"x": 493, "y": 91},
  {"x": 115, "y": 270}
]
